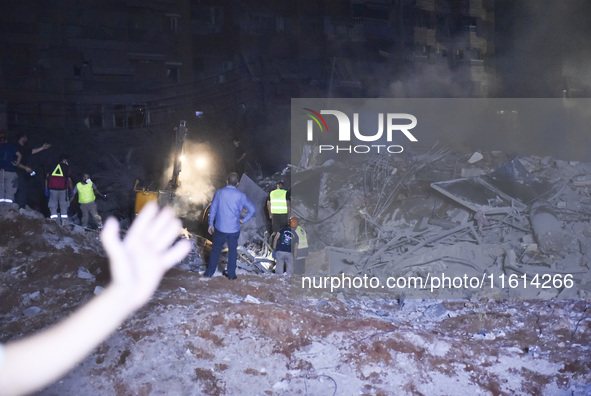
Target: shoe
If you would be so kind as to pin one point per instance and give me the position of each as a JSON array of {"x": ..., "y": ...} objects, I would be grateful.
[{"x": 225, "y": 273}]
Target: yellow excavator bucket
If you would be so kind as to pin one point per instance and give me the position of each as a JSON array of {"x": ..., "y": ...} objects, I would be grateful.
[{"x": 143, "y": 196}]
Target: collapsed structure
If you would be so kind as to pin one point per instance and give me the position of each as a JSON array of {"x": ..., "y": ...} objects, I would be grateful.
[
  {"x": 504, "y": 221},
  {"x": 193, "y": 335}
]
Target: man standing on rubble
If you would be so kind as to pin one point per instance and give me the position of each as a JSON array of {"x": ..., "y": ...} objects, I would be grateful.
[
  {"x": 10, "y": 158},
  {"x": 57, "y": 184},
  {"x": 279, "y": 207},
  {"x": 23, "y": 171},
  {"x": 87, "y": 192},
  {"x": 224, "y": 224}
]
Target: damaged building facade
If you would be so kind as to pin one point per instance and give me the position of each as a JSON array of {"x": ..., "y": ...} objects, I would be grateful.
[{"x": 121, "y": 65}]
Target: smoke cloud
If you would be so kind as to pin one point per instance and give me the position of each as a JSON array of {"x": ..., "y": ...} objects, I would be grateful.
[{"x": 196, "y": 187}]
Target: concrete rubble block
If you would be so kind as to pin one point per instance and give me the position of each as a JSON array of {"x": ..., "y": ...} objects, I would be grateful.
[
  {"x": 475, "y": 158},
  {"x": 471, "y": 172},
  {"x": 582, "y": 181},
  {"x": 551, "y": 238},
  {"x": 318, "y": 262},
  {"x": 258, "y": 196},
  {"x": 32, "y": 311},
  {"x": 83, "y": 273}
]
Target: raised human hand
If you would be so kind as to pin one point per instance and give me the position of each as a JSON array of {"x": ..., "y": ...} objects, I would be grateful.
[{"x": 139, "y": 261}]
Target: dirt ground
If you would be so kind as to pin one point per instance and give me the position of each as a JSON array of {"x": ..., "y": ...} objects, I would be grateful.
[{"x": 257, "y": 336}]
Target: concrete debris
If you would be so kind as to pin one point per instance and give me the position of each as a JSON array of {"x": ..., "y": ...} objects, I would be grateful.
[
  {"x": 32, "y": 311},
  {"x": 547, "y": 228},
  {"x": 83, "y": 273},
  {"x": 512, "y": 170},
  {"x": 534, "y": 351},
  {"x": 475, "y": 158},
  {"x": 198, "y": 337},
  {"x": 308, "y": 157},
  {"x": 582, "y": 181},
  {"x": 484, "y": 335},
  {"x": 478, "y": 195},
  {"x": 35, "y": 295},
  {"x": 436, "y": 311},
  {"x": 471, "y": 172},
  {"x": 251, "y": 299},
  {"x": 518, "y": 219},
  {"x": 258, "y": 196}
]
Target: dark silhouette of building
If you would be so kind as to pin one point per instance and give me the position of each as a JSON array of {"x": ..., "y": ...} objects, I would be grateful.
[{"x": 115, "y": 66}]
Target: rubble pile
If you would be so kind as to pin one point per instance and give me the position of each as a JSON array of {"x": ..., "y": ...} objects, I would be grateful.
[
  {"x": 216, "y": 336},
  {"x": 483, "y": 215}
]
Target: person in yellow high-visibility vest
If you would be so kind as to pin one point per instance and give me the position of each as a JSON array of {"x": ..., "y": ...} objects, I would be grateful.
[
  {"x": 302, "y": 247},
  {"x": 86, "y": 190},
  {"x": 279, "y": 207}
]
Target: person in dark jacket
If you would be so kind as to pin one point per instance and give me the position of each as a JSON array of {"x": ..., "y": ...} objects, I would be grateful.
[
  {"x": 10, "y": 158},
  {"x": 58, "y": 184},
  {"x": 24, "y": 171}
]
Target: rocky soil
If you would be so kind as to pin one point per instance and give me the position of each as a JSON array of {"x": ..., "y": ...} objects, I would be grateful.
[{"x": 257, "y": 336}]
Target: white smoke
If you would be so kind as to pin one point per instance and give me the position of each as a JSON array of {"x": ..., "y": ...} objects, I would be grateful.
[{"x": 196, "y": 188}]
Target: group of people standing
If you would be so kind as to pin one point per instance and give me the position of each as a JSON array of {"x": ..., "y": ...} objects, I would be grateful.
[
  {"x": 15, "y": 171},
  {"x": 289, "y": 240}
]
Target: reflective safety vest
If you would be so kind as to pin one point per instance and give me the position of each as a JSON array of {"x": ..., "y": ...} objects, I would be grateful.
[
  {"x": 58, "y": 180},
  {"x": 278, "y": 199},
  {"x": 85, "y": 192},
  {"x": 303, "y": 238}
]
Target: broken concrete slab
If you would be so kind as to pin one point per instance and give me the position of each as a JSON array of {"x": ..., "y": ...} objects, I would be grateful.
[
  {"x": 478, "y": 195},
  {"x": 258, "y": 196},
  {"x": 510, "y": 187},
  {"x": 547, "y": 228}
]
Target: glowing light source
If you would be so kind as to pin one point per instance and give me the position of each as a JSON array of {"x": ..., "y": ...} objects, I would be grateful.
[{"x": 201, "y": 162}]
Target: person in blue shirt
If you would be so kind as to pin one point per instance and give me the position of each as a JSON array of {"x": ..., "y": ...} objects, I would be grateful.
[{"x": 225, "y": 218}]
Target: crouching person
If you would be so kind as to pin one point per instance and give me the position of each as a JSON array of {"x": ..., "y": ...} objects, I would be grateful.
[
  {"x": 285, "y": 245},
  {"x": 87, "y": 192}
]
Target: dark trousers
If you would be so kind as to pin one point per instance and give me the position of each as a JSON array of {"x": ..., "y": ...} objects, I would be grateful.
[
  {"x": 22, "y": 193},
  {"x": 219, "y": 238}
]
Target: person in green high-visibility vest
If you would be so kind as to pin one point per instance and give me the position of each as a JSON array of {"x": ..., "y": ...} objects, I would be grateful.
[
  {"x": 301, "y": 251},
  {"x": 279, "y": 207},
  {"x": 86, "y": 191}
]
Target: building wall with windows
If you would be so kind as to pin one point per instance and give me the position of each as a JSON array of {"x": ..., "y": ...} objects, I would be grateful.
[{"x": 131, "y": 64}]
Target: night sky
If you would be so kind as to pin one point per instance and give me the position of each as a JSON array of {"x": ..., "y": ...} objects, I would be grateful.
[{"x": 539, "y": 41}]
